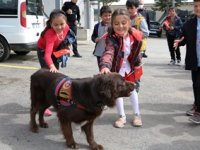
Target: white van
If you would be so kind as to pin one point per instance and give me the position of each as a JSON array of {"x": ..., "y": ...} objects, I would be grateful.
[{"x": 21, "y": 22}]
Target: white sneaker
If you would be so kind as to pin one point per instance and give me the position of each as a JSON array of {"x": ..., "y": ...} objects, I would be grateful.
[
  {"x": 120, "y": 122},
  {"x": 178, "y": 63},
  {"x": 137, "y": 121},
  {"x": 172, "y": 62}
]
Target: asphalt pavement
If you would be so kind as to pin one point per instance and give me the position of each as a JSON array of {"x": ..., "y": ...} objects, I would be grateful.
[{"x": 164, "y": 96}]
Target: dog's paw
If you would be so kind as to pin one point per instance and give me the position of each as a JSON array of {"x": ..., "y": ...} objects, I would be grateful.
[
  {"x": 34, "y": 129},
  {"x": 73, "y": 146},
  {"x": 97, "y": 147},
  {"x": 44, "y": 125}
]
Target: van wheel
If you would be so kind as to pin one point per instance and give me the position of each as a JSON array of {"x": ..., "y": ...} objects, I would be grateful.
[
  {"x": 4, "y": 50},
  {"x": 22, "y": 52}
]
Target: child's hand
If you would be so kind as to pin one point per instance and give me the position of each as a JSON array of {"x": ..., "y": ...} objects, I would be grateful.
[
  {"x": 76, "y": 22},
  {"x": 97, "y": 40},
  {"x": 176, "y": 42},
  {"x": 53, "y": 69},
  {"x": 69, "y": 11},
  {"x": 68, "y": 47},
  {"x": 171, "y": 28},
  {"x": 105, "y": 71}
]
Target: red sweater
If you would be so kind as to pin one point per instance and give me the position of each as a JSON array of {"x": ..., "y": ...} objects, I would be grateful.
[{"x": 49, "y": 42}]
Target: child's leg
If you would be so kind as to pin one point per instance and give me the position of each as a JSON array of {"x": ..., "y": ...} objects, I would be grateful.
[
  {"x": 137, "y": 121},
  {"x": 120, "y": 122},
  {"x": 120, "y": 107},
  {"x": 134, "y": 102}
]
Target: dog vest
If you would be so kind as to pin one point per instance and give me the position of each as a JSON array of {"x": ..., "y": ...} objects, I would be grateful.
[{"x": 64, "y": 94}]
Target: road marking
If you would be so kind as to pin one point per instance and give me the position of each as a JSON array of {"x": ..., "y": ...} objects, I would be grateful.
[{"x": 19, "y": 67}]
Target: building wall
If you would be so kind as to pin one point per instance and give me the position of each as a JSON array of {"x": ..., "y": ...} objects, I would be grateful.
[{"x": 49, "y": 5}]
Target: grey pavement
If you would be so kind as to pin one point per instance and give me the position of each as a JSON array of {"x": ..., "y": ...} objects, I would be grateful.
[{"x": 165, "y": 95}]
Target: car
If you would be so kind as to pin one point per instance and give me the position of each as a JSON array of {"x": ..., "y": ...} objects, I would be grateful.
[
  {"x": 21, "y": 22},
  {"x": 155, "y": 29}
]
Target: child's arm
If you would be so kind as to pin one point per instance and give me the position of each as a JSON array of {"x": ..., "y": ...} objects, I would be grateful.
[
  {"x": 178, "y": 24},
  {"x": 95, "y": 33},
  {"x": 48, "y": 53},
  {"x": 65, "y": 7},
  {"x": 144, "y": 28},
  {"x": 166, "y": 25},
  {"x": 102, "y": 37},
  {"x": 97, "y": 40},
  {"x": 107, "y": 57}
]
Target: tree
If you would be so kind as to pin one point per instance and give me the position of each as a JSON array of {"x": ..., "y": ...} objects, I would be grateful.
[
  {"x": 107, "y": 2},
  {"x": 162, "y": 5}
]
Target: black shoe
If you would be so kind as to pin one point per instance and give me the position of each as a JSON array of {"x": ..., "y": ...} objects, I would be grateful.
[
  {"x": 195, "y": 118},
  {"x": 191, "y": 111},
  {"x": 77, "y": 56},
  {"x": 144, "y": 55}
]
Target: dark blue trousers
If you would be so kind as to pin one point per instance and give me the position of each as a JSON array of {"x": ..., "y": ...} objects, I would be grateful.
[{"x": 196, "y": 88}]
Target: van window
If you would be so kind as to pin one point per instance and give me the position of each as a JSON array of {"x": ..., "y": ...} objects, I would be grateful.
[
  {"x": 8, "y": 7},
  {"x": 34, "y": 7}
]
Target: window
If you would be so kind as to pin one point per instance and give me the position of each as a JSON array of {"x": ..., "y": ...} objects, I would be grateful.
[
  {"x": 34, "y": 7},
  {"x": 8, "y": 7}
]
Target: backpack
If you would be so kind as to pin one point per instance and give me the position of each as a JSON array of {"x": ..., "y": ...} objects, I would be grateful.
[
  {"x": 138, "y": 21},
  {"x": 137, "y": 26}
]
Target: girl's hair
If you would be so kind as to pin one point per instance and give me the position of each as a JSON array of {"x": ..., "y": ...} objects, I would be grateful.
[
  {"x": 116, "y": 13},
  {"x": 132, "y": 3},
  {"x": 105, "y": 9},
  {"x": 55, "y": 13},
  {"x": 172, "y": 8}
]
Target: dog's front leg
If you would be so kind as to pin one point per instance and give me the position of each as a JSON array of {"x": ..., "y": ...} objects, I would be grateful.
[
  {"x": 68, "y": 135},
  {"x": 88, "y": 129}
]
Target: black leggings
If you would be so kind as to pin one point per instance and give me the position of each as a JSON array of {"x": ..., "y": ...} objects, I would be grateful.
[
  {"x": 43, "y": 64},
  {"x": 74, "y": 45},
  {"x": 196, "y": 88},
  {"x": 170, "y": 42}
]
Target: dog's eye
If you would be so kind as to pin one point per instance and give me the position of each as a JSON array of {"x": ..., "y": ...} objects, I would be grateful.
[{"x": 120, "y": 85}]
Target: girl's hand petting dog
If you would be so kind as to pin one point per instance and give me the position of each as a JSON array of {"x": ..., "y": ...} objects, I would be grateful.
[
  {"x": 53, "y": 69},
  {"x": 105, "y": 71}
]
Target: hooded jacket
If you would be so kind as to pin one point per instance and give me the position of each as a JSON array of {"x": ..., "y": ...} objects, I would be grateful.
[{"x": 113, "y": 55}]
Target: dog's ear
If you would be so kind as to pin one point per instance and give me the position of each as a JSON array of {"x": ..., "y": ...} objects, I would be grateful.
[
  {"x": 105, "y": 87},
  {"x": 106, "y": 93}
]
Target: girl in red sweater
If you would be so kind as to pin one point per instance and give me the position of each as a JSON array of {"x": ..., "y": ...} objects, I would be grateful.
[
  {"x": 50, "y": 39},
  {"x": 52, "y": 36}
]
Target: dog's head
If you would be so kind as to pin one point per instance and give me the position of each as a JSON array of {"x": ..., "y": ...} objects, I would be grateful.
[{"x": 111, "y": 86}]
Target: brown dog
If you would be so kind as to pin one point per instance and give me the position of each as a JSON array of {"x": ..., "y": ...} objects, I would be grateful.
[{"x": 76, "y": 100}]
